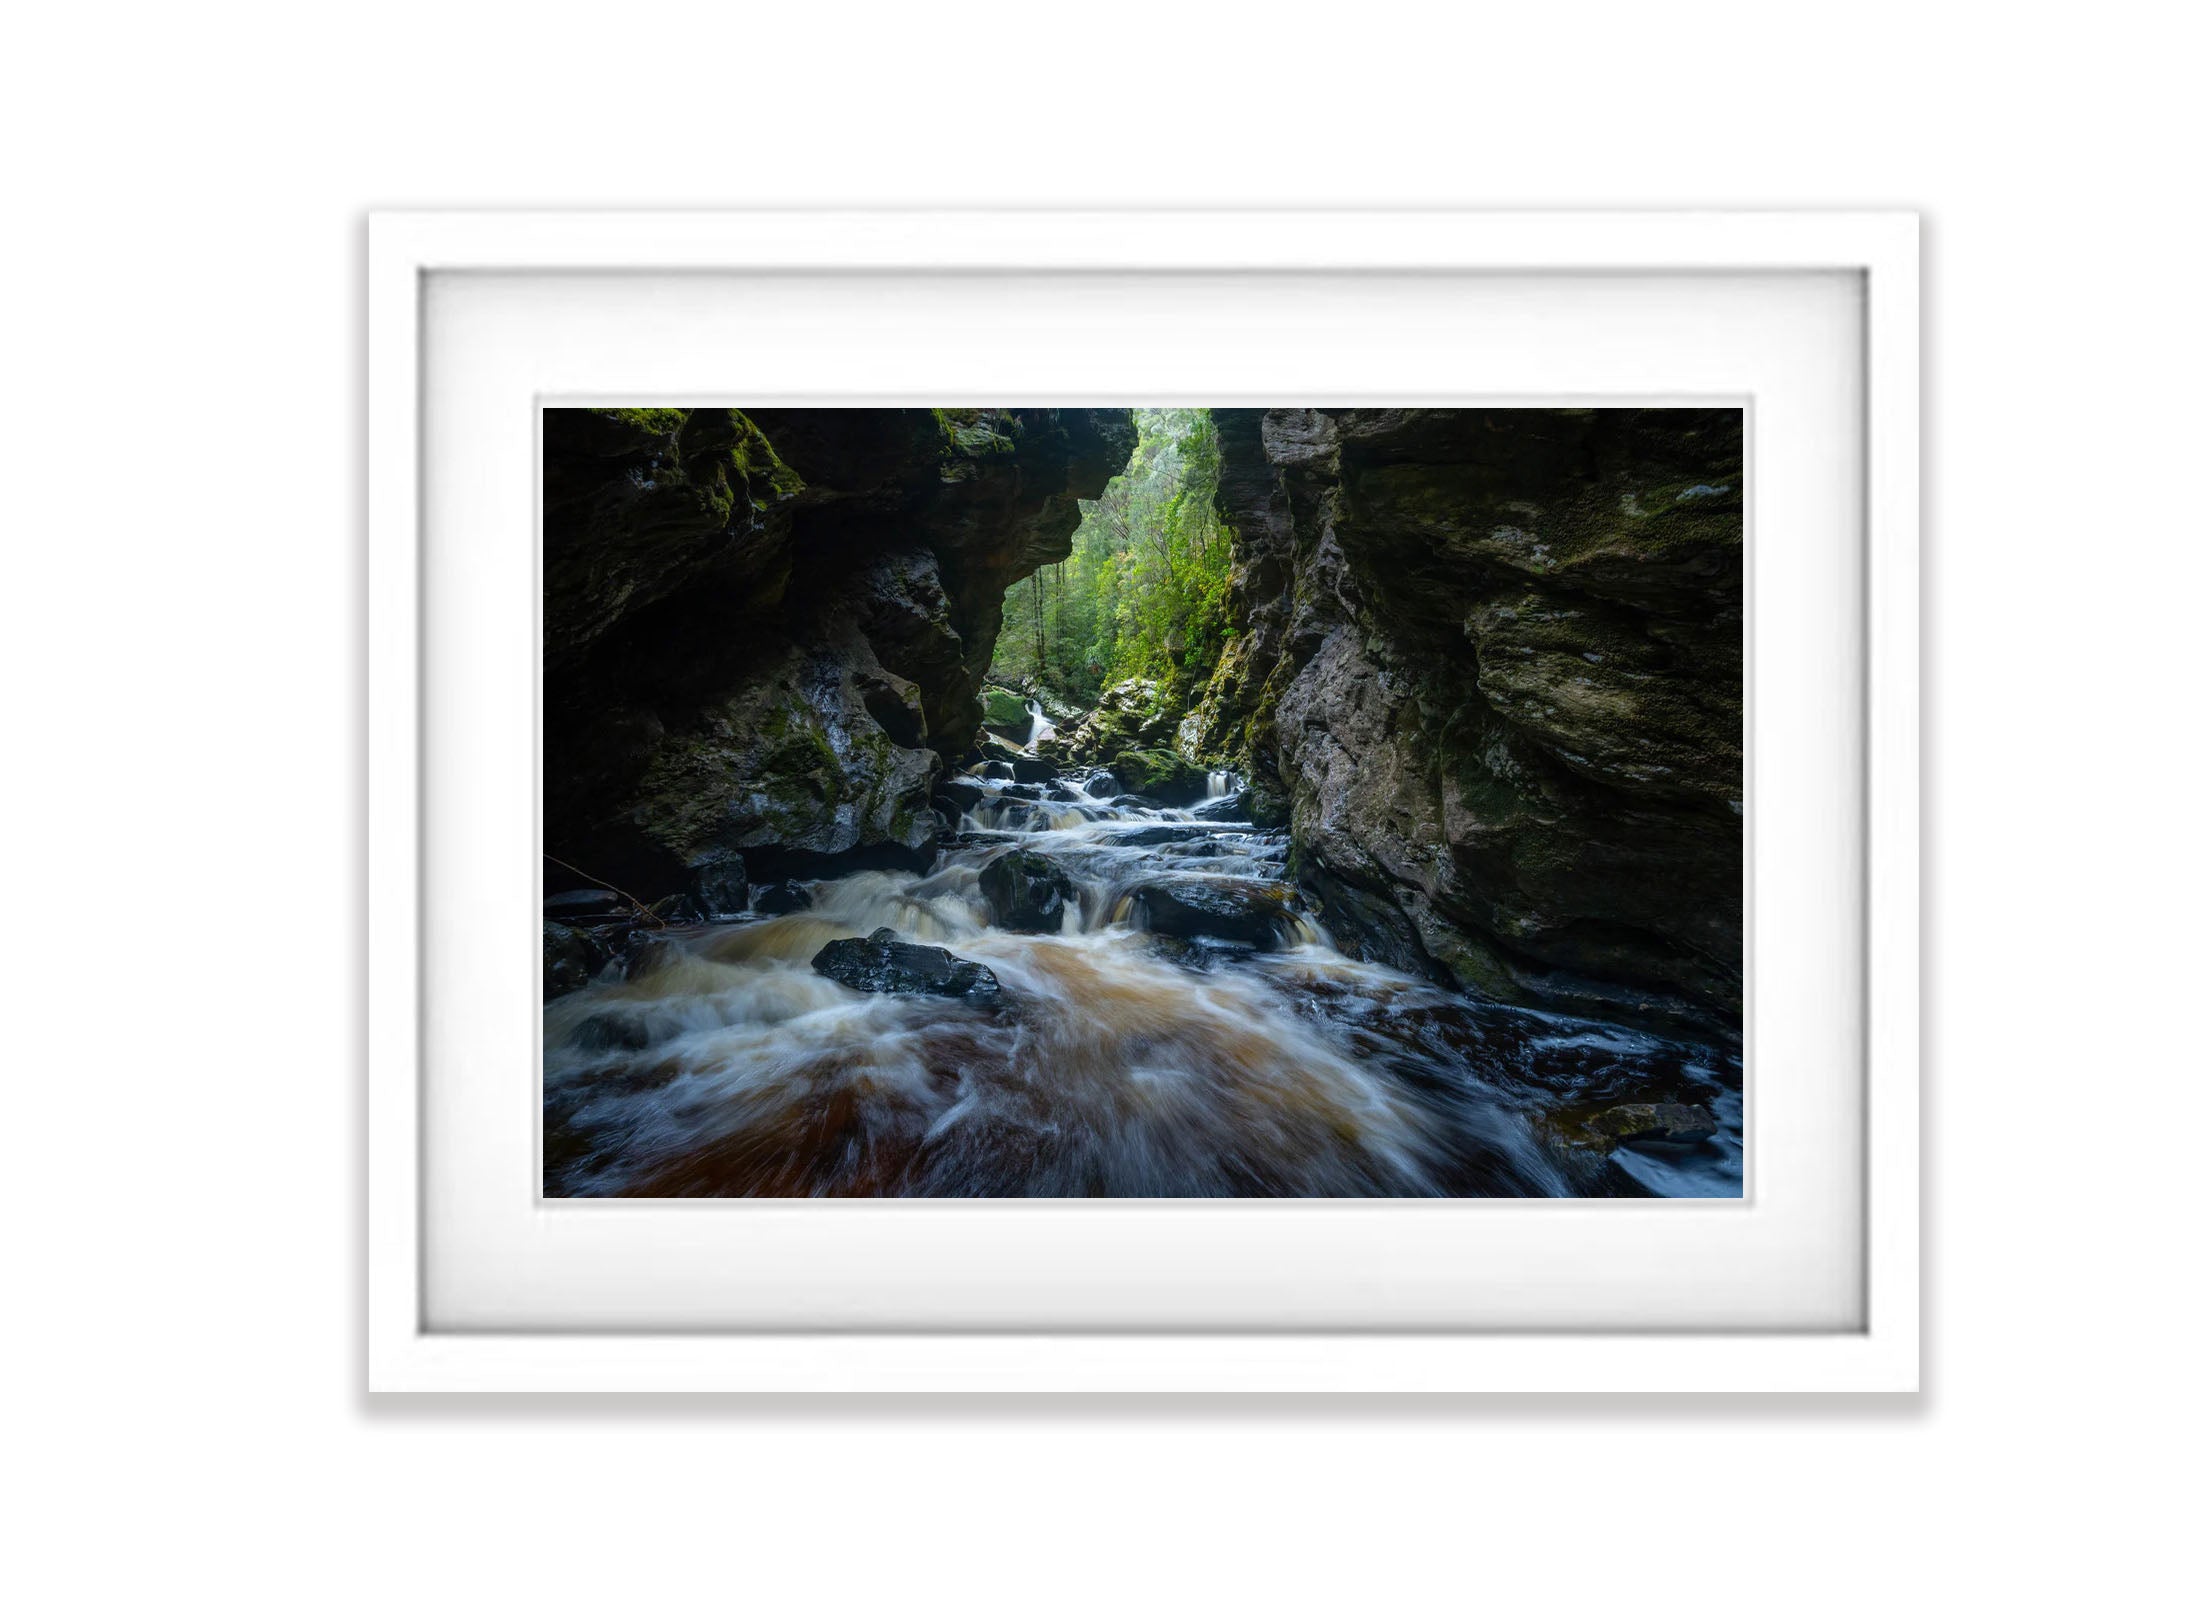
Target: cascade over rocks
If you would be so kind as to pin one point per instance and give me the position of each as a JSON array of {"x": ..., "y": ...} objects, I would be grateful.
[
  {"x": 764, "y": 631},
  {"x": 1488, "y": 664}
]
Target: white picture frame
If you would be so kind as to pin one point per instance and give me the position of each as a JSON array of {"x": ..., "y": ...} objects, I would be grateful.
[{"x": 407, "y": 1352}]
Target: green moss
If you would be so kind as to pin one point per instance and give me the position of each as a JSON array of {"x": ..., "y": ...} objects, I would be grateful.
[{"x": 650, "y": 419}]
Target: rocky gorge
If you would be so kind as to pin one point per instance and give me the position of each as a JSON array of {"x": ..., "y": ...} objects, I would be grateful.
[
  {"x": 1411, "y": 864},
  {"x": 1489, "y": 669}
]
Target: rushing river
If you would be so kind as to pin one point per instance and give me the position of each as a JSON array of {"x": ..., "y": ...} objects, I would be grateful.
[{"x": 1135, "y": 1054}]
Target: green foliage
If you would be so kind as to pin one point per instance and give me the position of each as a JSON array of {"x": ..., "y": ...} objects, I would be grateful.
[{"x": 1142, "y": 594}]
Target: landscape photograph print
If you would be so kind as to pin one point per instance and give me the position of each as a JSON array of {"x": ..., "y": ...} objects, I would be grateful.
[{"x": 1142, "y": 803}]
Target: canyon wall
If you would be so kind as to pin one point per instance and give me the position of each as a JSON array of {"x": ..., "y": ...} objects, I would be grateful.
[
  {"x": 764, "y": 630},
  {"x": 1489, "y": 665}
]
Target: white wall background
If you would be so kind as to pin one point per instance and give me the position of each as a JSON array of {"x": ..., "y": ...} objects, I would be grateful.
[{"x": 179, "y": 402}]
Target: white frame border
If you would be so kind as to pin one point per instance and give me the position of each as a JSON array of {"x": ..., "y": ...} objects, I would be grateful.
[{"x": 404, "y": 246}]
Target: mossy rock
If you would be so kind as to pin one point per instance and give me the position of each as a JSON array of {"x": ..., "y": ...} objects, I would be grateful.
[{"x": 1161, "y": 775}]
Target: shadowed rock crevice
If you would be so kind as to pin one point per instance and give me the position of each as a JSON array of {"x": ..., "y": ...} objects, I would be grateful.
[{"x": 763, "y": 631}]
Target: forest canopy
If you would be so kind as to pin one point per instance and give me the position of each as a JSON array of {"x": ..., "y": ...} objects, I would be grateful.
[{"x": 1141, "y": 594}]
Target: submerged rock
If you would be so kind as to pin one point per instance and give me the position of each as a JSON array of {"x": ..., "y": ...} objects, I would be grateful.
[
  {"x": 646, "y": 952},
  {"x": 570, "y": 959},
  {"x": 1027, "y": 892},
  {"x": 882, "y": 964},
  {"x": 1604, "y": 1128}
]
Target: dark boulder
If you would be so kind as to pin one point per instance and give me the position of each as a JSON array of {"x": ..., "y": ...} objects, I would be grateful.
[
  {"x": 1225, "y": 808},
  {"x": 1102, "y": 784},
  {"x": 1161, "y": 833},
  {"x": 997, "y": 770},
  {"x": 586, "y": 905},
  {"x": 1027, "y": 892},
  {"x": 570, "y": 958},
  {"x": 722, "y": 888},
  {"x": 1023, "y": 791},
  {"x": 883, "y": 964},
  {"x": 1028, "y": 769},
  {"x": 777, "y": 899},
  {"x": 676, "y": 908},
  {"x": 1193, "y": 906},
  {"x": 957, "y": 793}
]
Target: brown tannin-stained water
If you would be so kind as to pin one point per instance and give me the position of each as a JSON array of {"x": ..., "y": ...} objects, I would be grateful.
[{"x": 1189, "y": 1031}]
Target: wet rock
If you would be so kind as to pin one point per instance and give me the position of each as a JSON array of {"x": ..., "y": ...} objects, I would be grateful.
[
  {"x": 1007, "y": 716},
  {"x": 722, "y": 888},
  {"x": 777, "y": 899},
  {"x": 1216, "y": 908},
  {"x": 570, "y": 958},
  {"x": 1023, "y": 791},
  {"x": 1163, "y": 833},
  {"x": 883, "y": 964},
  {"x": 1101, "y": 784},
  {"x": 576, "y": 905},
  {"x": 1664, "y": 1124},
  {"x": 676, "y": 908},
  {"x": 1605, "y": 1127},
  {"x": 961, "y": 796},
  {"x": 1225, "y": 808},
  {"x": 1028, "y": 769},
  {"x": 1027, "y": 892},
  {"x": 998, "y": 771}
]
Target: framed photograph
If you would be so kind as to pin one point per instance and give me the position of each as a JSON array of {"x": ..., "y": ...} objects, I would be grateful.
[{"x": 1253, "y": 801}]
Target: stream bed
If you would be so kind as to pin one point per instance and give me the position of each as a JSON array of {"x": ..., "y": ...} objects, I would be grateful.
[{"x": 1168, "y": 1019}]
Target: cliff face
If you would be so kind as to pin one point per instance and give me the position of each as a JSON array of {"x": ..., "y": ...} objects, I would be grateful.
[
  {"x": 1490, "y": 665},
  {"x": 763, "y": 631}
]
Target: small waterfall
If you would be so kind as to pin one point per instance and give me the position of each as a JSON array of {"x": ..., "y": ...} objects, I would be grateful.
[
  {"x": 1040, "y": 725},
  {"x": 1221, "y": 784}
]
